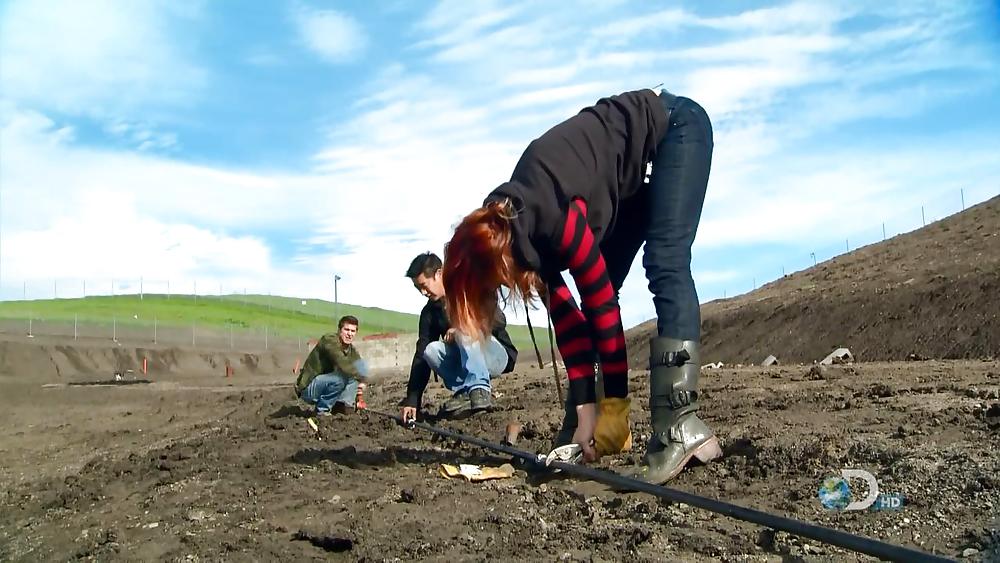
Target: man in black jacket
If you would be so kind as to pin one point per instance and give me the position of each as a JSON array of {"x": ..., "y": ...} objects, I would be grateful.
[{"x": 465, "y": 367}]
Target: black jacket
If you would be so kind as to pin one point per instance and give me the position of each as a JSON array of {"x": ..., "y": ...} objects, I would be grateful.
[
  {"x": 433, "y": 325},
  {"x": 600, "y": 155}
]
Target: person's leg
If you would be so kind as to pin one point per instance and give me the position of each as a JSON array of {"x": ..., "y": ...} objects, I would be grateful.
[
  {"x": 496, "y": 357},
  {"x": 476, "y": 371},
  {"x": 621, "y": 246},
  {"x": 348, "y": 396},
  {"x": 323, "y": 390},
  {"x": 446, "y": 360},
  {"x": 676, "y": 196}
]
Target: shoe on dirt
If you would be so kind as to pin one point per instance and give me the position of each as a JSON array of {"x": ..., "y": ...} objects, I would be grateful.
[
  {"x": 342, "y": 408},
  {"x": 458, "y": 406},
  {"x": 324, "y": 413},
  {"x": 481, "y": 399}
]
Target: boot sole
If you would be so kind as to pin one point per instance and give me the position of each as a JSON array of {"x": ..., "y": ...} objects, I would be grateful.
[
  {"x": 456, "y": 415},
  {"x": 704, "y": 453}
]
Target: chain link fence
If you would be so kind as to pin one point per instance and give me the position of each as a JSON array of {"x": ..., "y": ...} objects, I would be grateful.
[{"x": 136, "y": 334}]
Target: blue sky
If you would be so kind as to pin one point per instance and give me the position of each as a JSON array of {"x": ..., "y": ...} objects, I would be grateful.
[{"x": 266, "y": 146}]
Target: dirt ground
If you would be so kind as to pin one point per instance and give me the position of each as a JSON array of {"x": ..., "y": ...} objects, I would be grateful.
[{"x": 205, "y": 468}]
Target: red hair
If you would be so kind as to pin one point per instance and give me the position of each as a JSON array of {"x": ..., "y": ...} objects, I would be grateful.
[{"x": 477, "y": 261}]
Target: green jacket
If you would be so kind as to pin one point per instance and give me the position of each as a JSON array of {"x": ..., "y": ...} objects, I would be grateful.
[{"x": 329, "y": 356}]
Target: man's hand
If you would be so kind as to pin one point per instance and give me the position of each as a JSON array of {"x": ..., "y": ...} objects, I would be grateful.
[
  {"x": 449, "y": 336},
  {"x": 408, "y": 414},
  {"x": 584, "y": 436}
]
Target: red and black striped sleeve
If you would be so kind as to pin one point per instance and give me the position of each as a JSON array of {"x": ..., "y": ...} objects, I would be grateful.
[{"x": 598, "y": 325}]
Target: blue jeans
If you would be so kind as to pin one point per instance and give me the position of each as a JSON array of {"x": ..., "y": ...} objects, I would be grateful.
[
  {"x": 676, "y": 196},
  {"x": 329, "y": 388},
  {"x": 464, "y": 365}
]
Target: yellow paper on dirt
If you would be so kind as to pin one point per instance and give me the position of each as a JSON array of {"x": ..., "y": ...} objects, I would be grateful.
[{"x": 476, "y": 473}]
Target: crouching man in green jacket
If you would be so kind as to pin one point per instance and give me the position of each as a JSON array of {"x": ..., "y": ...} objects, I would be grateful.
[{"x": 332, "y": 372}]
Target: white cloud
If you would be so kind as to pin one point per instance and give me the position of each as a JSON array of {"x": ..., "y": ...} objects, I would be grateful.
[
  {"x": 334, "y": 36},
  {"x": 144, "y": 136},
  {"x": 427, "y": 140},
  {"x": 96, "y": 57},
  {"x": 590, "y": 91}
]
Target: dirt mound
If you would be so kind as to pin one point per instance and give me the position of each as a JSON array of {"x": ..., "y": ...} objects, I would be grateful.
[
  {"x": 930, "y": 293},
  {"x": 53, "y": 360}
]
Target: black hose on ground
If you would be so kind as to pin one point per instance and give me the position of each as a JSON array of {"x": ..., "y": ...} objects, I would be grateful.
[{"x": 846, "y": 540}]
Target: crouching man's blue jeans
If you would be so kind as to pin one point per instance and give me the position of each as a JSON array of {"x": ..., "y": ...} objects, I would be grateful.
[
  {"x": 465, "y": 365},
  {"x": 329, "y": 388}
]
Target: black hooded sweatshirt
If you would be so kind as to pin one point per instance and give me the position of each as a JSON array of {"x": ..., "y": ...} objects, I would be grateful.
[{"x": 598, "y": 156}]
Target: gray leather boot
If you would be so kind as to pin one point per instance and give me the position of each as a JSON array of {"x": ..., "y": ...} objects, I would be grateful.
[{"x": 678, "y": 433}]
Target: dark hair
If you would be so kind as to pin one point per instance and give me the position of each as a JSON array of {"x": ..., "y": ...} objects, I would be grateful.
[
  {"x": 478, "y": 261},
  {"x": 427, "y": 264},
  {"x": 347, "y": 320}
]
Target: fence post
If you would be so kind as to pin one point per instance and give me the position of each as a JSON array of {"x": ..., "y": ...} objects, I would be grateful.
[
  {"x": 923, "y": 218},
  {"x": 962, "y": 190},
  {"x": 29, "y": 327},
  {"x": 114, "y": 329},
  {"x": 883, "y": 230}
]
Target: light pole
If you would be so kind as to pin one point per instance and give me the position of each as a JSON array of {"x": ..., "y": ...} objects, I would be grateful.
[{"x": 336, "y": 300}]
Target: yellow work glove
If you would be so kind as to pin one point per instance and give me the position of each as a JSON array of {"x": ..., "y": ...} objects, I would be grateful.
[{"x": 612, "y": 434}]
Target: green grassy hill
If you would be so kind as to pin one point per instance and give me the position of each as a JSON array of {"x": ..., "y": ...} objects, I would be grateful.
[{"x": 281, "y": 314}]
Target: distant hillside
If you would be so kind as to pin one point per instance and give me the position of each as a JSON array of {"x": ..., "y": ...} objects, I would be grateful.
[
  {"x": 290, "y": 315},
  {"x": 932, "y": 292}
]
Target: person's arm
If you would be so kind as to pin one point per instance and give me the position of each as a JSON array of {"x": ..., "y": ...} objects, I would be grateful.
[
  {"x": 573, "y": 341},
  {"x": 601, "y": 325},
  {"x": 420, "y": 370}
]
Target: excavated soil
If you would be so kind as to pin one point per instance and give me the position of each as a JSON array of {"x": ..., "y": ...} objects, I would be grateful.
[
  {"x": 929, "y": 293},
  {"x": 205, "y": 468}
]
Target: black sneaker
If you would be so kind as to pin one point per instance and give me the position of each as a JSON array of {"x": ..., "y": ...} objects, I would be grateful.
[
  {"x": 481, "y": 399},
  {"x": 456, "y": 407},
  {"x": 342, "y": 408}
]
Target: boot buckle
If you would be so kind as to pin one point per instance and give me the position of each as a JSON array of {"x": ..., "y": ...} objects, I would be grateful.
[
  {"x": 675, "y": 400},
  {"x": 672, "y": 359}
]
